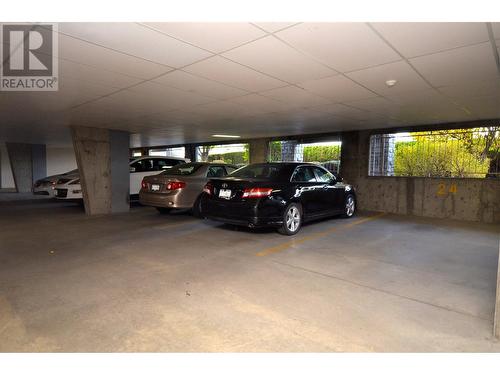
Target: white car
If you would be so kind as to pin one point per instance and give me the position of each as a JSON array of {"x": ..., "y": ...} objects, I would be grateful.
[
  {"x": 46, "y": 186},
  {"x": 68, "y": 187}
]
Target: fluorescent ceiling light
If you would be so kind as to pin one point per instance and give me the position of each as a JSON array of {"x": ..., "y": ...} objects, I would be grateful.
[{"x": 225, "y": 136}]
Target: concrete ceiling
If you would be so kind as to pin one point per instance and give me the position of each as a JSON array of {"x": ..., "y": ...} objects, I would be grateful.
[{"x": 171, "y": 83}]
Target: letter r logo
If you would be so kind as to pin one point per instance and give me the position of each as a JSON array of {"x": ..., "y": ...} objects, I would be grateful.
[{"x": 27, "y": 50}]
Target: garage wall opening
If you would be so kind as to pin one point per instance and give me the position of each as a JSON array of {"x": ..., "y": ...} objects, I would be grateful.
[
  {"x": 325, "y": 153},
  {"x": 177, "y": 152},
  {"x": 235, "y": 153},
  {"x": 456, "y": 153}
]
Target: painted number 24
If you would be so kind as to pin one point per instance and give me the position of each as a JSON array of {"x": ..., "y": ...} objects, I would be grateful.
[{"x": 443, "y": 189}]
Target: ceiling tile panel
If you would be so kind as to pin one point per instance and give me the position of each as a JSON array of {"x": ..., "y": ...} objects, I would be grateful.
[
  {"x": 342, "y": 111},
  {"x": 342, "y": 46},
  {"x": 377, "y": 105},
  {"x": 337, "y": 89},
  {"x": 272, "y": 27},
  {"x": 484, "y": 107},
  {"x": 89, "y": 74},
  {"x": 421, "y": 38},
  {"x": 260, "y": 104},
  {"x": 427, "y": 95},
  {"x": 281, "y": 61},
  {"x": 470, "y": 89},
  {"x": 457, "y": 65},
  {"x": 178, "y": 116},
  {"x": 375, "y": 78},
  {"x": 230, "y": 73},
  {"x": 221, "y": 109},
  {"x": 198, "y": 85},
  {"x": 103, "y": 58},
  {"x": 99, "y": 113},
  {"x": 295, "y": 96},
  {"x": 496, "y": 29},
  {"x": 136, "y": 40},
  {"x": 158, "y": 98},
  {"x": 213, "y": 36}
]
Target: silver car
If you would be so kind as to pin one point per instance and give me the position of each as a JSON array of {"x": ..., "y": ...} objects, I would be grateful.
[{"x": 180, "y": 186}]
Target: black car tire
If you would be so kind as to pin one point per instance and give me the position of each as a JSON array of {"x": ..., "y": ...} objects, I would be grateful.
[
  {"x": 163, "y": 210},
  {"x": 292, "y": 219},
  {"x": 196, "y": 210},
  {"x": 349, "y": 206}
]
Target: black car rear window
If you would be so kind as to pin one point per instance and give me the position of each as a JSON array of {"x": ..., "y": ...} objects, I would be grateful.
[
  {"x": 183, "y": 169},
  {"x": 273, "y": 172}
]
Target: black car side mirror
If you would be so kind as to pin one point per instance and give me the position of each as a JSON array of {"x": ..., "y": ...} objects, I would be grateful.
[{"x": 336, "y": 178}]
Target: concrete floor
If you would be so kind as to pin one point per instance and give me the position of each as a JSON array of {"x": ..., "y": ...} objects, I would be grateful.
[{"x": 147, "y": 282}]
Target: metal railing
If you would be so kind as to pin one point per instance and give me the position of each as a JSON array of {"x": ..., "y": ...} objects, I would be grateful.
[{"x": 457, "y": 153}]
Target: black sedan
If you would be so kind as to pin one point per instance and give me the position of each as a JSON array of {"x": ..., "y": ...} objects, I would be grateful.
[{"x": 281, "y": 195}]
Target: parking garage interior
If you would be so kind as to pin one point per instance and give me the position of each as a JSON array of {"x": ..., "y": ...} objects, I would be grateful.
[{"x": 407, "y": 113}]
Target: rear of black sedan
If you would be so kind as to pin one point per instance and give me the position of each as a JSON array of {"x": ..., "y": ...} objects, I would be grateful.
[{"x": 281, "y": 195}]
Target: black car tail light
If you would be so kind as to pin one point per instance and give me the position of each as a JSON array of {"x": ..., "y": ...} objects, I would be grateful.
[{"x": 257, "y": 192}]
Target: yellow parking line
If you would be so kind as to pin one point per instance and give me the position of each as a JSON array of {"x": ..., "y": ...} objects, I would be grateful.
[
  {"x": 314, "y": 236},
  {"x": 173, "y": 225},
  {"x": 364, "y": 220}
]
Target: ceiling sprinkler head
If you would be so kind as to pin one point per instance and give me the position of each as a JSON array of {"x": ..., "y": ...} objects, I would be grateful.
[{"x": 391, "y": 82}]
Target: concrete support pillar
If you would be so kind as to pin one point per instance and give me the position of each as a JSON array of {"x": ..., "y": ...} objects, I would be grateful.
[
  {"x": 190, "y": 152},
  {"x": 350, "y": 162},
  {"x": 259, "y": 150},
  {"x": 292, "y": 151},
  {"x": 119, "y": 142},
  {"x": 102, "y": 156}
]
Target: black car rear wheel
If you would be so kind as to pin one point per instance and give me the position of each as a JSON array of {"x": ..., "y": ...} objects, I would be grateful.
[
  {"x": 350, "y": 206},
  {"x": 163, "y": 210},
  {"x": 292, "y": 219}
]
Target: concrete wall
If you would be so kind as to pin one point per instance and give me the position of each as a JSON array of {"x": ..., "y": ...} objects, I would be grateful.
[
  {"x": 6, "y": 178},
  {"x": 496, "y": 321},
  {"x": 21, "y": 164},
  {"x": 38, "y": 161},
  {"x": 60, "y": 160},
  {"x": 454, "y": 198}
]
